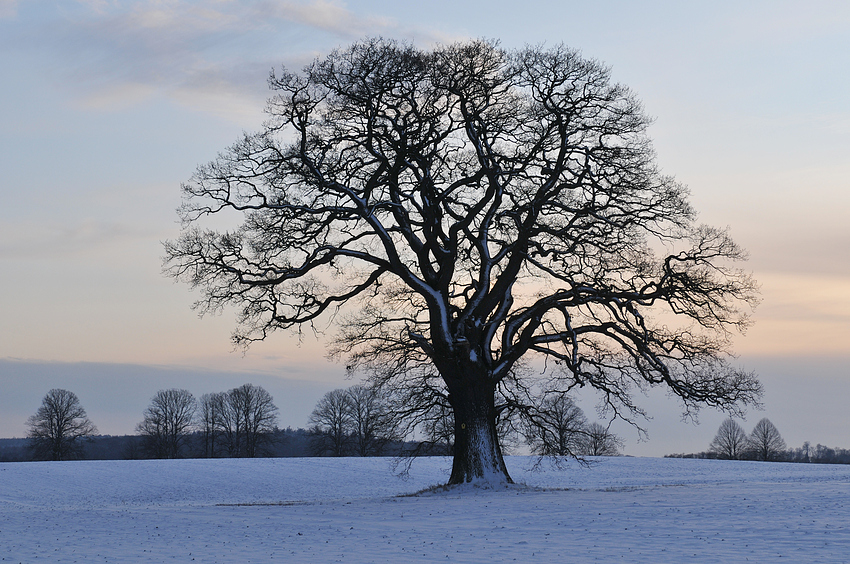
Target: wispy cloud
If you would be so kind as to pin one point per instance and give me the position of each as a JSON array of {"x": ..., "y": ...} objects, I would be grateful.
[
  {"x": 30, "y": 240},
  {"x": 209, "y": 55},
  {"x": 800, "y": 314},
  {"x": 328, "y": 16}
]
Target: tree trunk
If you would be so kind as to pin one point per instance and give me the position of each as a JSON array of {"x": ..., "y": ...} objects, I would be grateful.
[{"x": 477, "y": 453}]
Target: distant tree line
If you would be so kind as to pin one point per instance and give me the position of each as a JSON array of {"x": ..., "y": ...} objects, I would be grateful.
[
  {"x": 362, "y": 421},
  {"x": 239, "y": 423},
  {"x": 285, "y": 443},
  {"x": 242, "y": 422},
  {"x": 560, "y": 428},
  {"x": 764, "y": 443},
  {"x": 357, "y": 421}
]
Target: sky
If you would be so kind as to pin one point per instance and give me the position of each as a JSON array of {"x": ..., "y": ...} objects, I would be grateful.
[{"x": 107, "y": 106}]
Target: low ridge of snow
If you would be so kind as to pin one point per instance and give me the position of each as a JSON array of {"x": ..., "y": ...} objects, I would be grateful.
[{"x": 359, "y": 510}]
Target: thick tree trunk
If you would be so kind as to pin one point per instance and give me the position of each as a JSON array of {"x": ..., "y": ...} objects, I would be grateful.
[{"x": 477, "y": 453}]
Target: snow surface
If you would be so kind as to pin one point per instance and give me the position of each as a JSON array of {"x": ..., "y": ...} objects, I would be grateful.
[{"x": 357, "y": 510}]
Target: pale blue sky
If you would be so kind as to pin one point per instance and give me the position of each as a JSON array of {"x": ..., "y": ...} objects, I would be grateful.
[{"x": 107, "y": 106}]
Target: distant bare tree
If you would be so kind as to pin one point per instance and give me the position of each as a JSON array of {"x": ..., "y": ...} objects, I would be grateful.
[
  {"x": 59, "y": 427},
  {"x": 372, "y": 423},
  {"x": 765, "y": 442},
  {"x": 238, "y": 423},
  {"x": 231, "y": 432},
  {"x": 558, "y": 427},
  {"x": 254, "y": 412},
  {"x": 439, "y": 430},
  {"x": 212, "y": 416},
  {"x": 599, "y": 441},
  {"x": 823, "y": 454},
  {"x": 330, "y": 423},
  {"x": 730, "y": 442},
  {"x": 167, "y": 423},
  {"x": 509, "y": 430}
]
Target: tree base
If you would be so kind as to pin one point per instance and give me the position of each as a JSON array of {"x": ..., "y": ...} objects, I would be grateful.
[{"x": 478, "y": 458}]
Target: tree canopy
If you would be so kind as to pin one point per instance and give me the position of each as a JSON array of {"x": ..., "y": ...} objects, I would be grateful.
[
  {"x": 59, "y": 427},
  {"x": 765, "y": 442},
  {"x": 459, "y": 211},
  {"x": 730, "y": 442},
  {"x": 168, "y": 422}
]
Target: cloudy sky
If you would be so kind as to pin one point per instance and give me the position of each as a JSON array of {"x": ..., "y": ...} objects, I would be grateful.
[{"x": 107, "y": 106}]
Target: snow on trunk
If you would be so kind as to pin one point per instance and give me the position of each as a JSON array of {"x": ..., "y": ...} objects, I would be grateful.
[{"x": 477, "y": 453}]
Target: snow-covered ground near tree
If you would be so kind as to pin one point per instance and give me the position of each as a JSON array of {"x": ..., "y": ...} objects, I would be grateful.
[{"x": 357, "y": 510}]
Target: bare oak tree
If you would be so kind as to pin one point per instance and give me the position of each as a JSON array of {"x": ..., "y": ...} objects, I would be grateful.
[
  {"x": 765, "y": 443},
  {"x": 730, "y": 442},
  {"x": 469, "y": 207},
  {"x": 167, "y": 424},
  {"x": 59, "y": 427}
]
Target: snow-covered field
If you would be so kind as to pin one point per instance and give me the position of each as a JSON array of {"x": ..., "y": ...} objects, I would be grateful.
[{"x": 356, "y": 510}]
